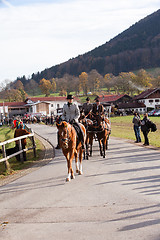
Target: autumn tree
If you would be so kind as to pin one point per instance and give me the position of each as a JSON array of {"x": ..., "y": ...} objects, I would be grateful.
[
  {"x": 95, "y": 79},
  {"x": 32, "y": 87},
  {"x": 143, "y": 79},
  {"x": 18, "y": 85},
  {"x": 14, "y": 95},
  {"x": 83, "y": 81},
  {"x": 53, "y": 83},
  {"x": 108, "y": 81},
  {"x": 126, "y": 80},
  {"x": 156, "y": 82},
  {"x": 45, "y": 86}
]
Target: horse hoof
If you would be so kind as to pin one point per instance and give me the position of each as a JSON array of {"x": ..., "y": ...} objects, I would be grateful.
[
  {"x": 103, "y": 156},
  {"x": 67, "y": 179},
  {"x": 80, "y": 172},
  {"x": 77, "y": 171},
  {"x": 73, "y": 177}
]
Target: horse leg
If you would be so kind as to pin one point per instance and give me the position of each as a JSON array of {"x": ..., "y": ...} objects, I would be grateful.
[
  {"x": 76, "y": 161},
  {"x": 104, "y": 147},
  {"x": 69, "y": 163},
  {"x": 80, "y": 161},
  {"x": 100, "y": 146},
  {"x": 87, "y": 147},
  {"x": 91, "y": 143},
  {"x": 107, "y": 141},
  {"x": 71, "y": 159}
]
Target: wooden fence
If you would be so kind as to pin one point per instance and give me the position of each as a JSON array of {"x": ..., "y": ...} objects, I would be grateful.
[{"x": 3, "y": 144}]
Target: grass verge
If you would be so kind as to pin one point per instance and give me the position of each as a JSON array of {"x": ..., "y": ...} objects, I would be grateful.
[
  {"x": 122, "y": 127},
  {"x": 8, "y": 133}
]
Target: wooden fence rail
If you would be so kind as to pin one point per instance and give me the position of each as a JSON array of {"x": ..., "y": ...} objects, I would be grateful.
[{"x": 3, "y": 144}]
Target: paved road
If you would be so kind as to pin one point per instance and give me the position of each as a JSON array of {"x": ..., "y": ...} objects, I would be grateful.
[{"x": 117, "y": 198}]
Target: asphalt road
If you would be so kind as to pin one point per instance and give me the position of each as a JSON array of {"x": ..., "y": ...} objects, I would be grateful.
[{"x": 116, "y": 198}]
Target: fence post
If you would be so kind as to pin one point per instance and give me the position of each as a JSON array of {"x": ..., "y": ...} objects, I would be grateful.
[
  {"x": 7, "y": 165},
  {"x": 34, "y": 146},
  {"x": 20, "y": 148}
]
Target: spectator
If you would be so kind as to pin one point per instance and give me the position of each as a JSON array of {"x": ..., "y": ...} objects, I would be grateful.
[
  {"x": 136, "y": 125},
  {"x": 145, "y": 128}
]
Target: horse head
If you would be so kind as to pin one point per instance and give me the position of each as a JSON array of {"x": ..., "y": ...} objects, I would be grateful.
[{"x": 63, "y": 129}]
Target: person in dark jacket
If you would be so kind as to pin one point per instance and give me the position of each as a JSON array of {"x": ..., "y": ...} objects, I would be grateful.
[
  {"x": 136, "y": 126},
  {"x": 98, "y": 108},
  {"x": 87, "y": 107},
  {"x": 145, "y": 128}
]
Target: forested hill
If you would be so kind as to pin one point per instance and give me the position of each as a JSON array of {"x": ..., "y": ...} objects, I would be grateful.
[{"x": 135, "y": 48}]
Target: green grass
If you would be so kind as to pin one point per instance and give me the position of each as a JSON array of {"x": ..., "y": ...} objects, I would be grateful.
[
  {"x": 8, "y": 133},
  {"x": 122, "y": 127}
]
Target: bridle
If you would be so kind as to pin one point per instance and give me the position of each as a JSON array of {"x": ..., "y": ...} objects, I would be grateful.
[{"x": 67, "y": 139}]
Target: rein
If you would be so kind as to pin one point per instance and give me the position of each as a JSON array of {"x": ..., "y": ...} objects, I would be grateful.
[{"x": 67, "y": 139}]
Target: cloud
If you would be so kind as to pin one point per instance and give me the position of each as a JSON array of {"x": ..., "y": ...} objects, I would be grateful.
[{"x": 47, "y": 33}]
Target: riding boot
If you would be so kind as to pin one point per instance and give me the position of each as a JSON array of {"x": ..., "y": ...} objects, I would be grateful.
[{"x": 79, "y": 133}]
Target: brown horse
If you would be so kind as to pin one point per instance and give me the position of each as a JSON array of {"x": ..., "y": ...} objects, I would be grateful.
[
  {"x": 88, "y": 123},
  {"x": 103, "y": 132},
  {"x": 71, "y": 147}
]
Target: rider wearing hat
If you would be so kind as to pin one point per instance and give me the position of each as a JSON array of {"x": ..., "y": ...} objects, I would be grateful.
[
  {"x": 70, "y": 110},
  {"x": 87, "y": 107},
  {"x": 71, "y": 114},
  {"x": 98, "y": 108}
]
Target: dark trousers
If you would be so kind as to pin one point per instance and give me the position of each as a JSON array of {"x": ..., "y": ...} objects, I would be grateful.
[
  {"x": 24, "y": 153},
  {"x": 146, "y": 141}
]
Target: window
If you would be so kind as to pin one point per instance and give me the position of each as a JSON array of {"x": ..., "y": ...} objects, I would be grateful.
[
  {"x": 51, "y": 105},
  {"x": 156, "y": 100},
  {"x": 58, "y": 105},
  {"x": 150, "y": 101}
]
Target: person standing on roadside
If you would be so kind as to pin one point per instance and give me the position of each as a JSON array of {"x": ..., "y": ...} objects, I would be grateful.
[
  {"x": 136, "y": 126},
  {"x": 145, "y": 128}
]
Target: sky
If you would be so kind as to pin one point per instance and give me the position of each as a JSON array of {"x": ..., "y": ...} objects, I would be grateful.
[{"x": 38, "y": 34}]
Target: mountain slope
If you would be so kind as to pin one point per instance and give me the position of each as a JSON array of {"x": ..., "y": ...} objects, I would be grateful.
[{"x": 135, "y": 48}]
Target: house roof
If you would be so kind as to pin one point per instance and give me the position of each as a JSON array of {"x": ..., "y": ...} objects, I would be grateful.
[
  {"x": 131, "y": 105},
  {"x": 13, "y": 104},
  {"x": 111, "y": 98},
  {"x": 146, "y": 94},
  {"x": 45, "y": 99}
]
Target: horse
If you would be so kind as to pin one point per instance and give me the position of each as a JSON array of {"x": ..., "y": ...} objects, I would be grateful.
[
  {"x": 71, "y": 147},
  {"x": 103, "y": 131},
  {"x": 88, "y": 123}
]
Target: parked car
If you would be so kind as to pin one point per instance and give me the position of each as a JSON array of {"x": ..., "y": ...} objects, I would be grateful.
[
  {"x": 157, "y": 113},
  {"x": 152, "y": 113}
]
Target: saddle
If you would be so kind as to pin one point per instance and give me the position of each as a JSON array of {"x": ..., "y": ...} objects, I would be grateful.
[{"x": 79, "y": 132}]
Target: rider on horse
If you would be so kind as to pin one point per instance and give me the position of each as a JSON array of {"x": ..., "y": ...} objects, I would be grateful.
[
  {"x": 87, "y": 108},
  {"x": 71, "y": 114},
  {"x": 98, "y": 113}
]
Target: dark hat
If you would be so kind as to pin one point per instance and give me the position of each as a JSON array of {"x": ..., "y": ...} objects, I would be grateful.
[
  {"x": 97, "y": 100},
  {"x": 70, "y": 96},
  {"x": 87, "y": 99}
]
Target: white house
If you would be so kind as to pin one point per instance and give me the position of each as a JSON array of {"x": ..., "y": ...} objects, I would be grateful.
[
  {"x": 150, "y": 97},
  {"x": 47, "y": 105}
]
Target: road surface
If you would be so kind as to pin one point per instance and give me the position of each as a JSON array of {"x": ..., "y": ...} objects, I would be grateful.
[{"x": 116, "y": 198}]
